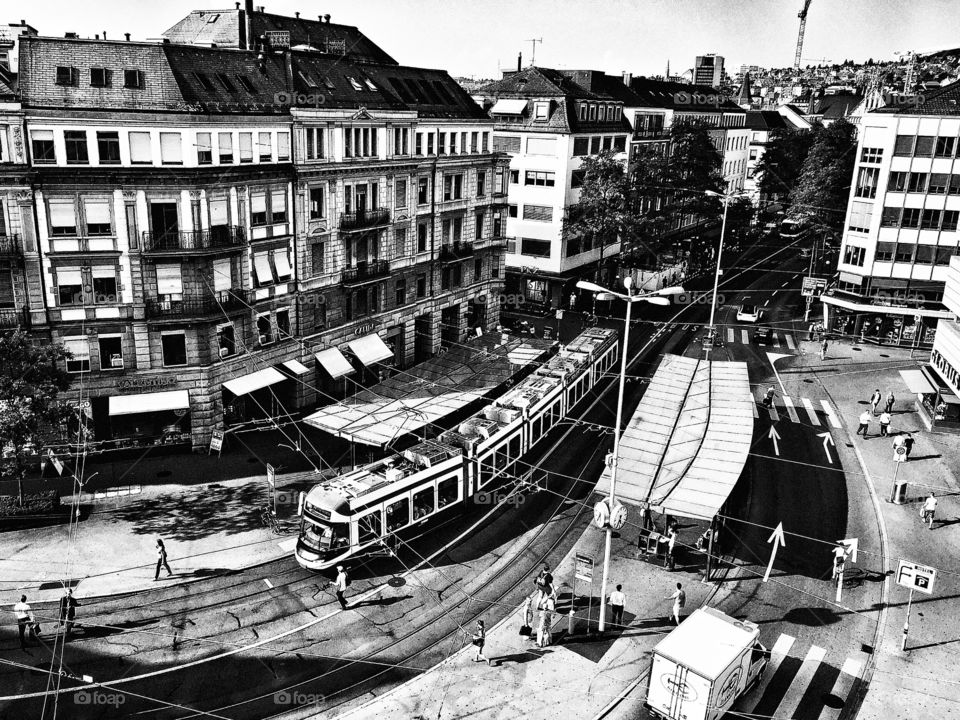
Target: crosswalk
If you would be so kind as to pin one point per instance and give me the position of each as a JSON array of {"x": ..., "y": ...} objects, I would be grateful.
[
  {"x": 777, "y": 340},
  {"x": 786, "y": 405},
  {"x": 802, "y": 682}
]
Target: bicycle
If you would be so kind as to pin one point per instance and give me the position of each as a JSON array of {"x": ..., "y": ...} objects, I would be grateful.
[{"x": 269, "y": 520}]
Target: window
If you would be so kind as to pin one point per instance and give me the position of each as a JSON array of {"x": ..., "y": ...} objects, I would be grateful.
[
  {"x": 506, "y": 143},
  {"x": 205, "y": 82},
  {"x": 69, "y": 286},
  {"x": 925, "y": 254},
  {"x": 317, "y": 251},
  {"x": 954, "y": 188},
  {"x": 542, "y": 146},
  {"x": 140, "y": 148},
  {"x": 911, "y": 218},
  {"x": 171, "y": 148},
  {"x": 105, "y": 284},
  {"x": 421, "y": 286},
  {"x": 514, "y": 177},
  {"x": 400, "y": 193},
  {"x": 445, "y": 278},
  {"x": 541, "y": 111},
  {"x": 401, "y": 141},
  {"x": 620, "y": 144},
  {"x": 423, "y": 191},
  {"x": 938, "y": 183},
  {"x": 890, "y": 217},
  {"x": 401, "y": 292},
  {"x": 262, "y": 271},
  {"x": 226, "y": 340},
  {"x": 868, "y": 155},
  {"x": 581, "y": 145},
  {"x": 540, "y": 213},
  {"x": 246, "y": 84},
  {"x": 512, "y": 211},
  {"x": 264, "y": 329},
  {"x": 478, "y": 226},
  {"x": 398, "y": 515},
  {"x": 43, "y": 148},
  {"x": 264, "y": 147},
  {"x": 317, "y": 204},
  {"x": 66, "y": 75},
  {"x": 853, "y": 255},
  {"x": 595, "y": 145},
  {"x": 447, "y": 492},
  {"x": 63, "y": 218},
  {"x": 227, "y": 83},
  {"x": 169, "y": 283},
  {"x": 422, "y": 237},
  {"x": 543, "y": 179},
  {"x": 281, "y": 263},
  {"x": 204, "y": 148},
  {"x": 430, "y": 143},
  {"x": 423, "y": 503},
  {"x": 315, "y": 144},
  {"x": 945, "y": 147},
  {"x": 925, "y": 145},
  {"x": 884, "y": 252},
  {"x": 400, "y": 242},
  {"x": 359, "y": 142},
  {"x": 474, "y": 145},
  {"x": 897, "y": 182},
  {"x": 97, "y": 215},
  {"x": 100, "y": 77},
  {"x": 133, "y": 79},
  {"x": 484, "y": 139},
  {"x": 111, "y": 352},
  {"x": 246, "y": 147},
  {"x": 222, "y": 275},
  {"x": 75, "y": 142},
  {"x": 283, "y": 146},
  {"x": 904, "y": 145},
  {"x": 867, "y": 182},
  {"x": 268, "y": 207},
  {"x": 917, "y": 182},
  {"x": 950, "y": 220},
  {"x": 225, "y": 148},
  {"x": 930, "y": 220},
  {"x": 418, "y": 149},
  {"x": 283, "y": 324},
  {"x": 481, "y": 182},
  {"x": 477, "y": 269},
  {"x": 577, "y": 178},
  {"x": 860, "y": 216},
  {"x": 79, "y": 358},
  {"x": 441, "y": 143},
  {"x": 904, "y": 252},
  {"x": 607, "y": 143},
  {"x": 174, "y": 349},
  {"x": 453, "y": 187},
  {"x": 534, "y": 248}
]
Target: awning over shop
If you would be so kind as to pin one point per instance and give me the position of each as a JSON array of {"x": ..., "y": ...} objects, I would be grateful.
[
  {"x": 254, "y": 381},
  {"x": 370, "y": 349},
  {"x": 149, "y": 402},
  {"x": 685, "y": 446},
  {"x": 427, "y": 392},
  {"x": 296, "y": 367},
  {"x": 334, "y": 362},
  {"x": 916, "y": 382},
  {"x": 509, "y": 107}
]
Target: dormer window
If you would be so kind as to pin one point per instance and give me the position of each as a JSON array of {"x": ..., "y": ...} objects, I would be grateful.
[
  {"x": 246, "y": 84},
  {"x": 593, "y": 112},
  {"x": 583, "y": 111},
  {"x": 369, "y": 83},
  {"x": 541, "y": 110},
  {"x": 356, "y": 86}
]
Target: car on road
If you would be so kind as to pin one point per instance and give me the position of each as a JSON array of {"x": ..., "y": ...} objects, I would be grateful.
[
  {"x": 748, "y": 312},
  {"x": 763, "y": 335}
]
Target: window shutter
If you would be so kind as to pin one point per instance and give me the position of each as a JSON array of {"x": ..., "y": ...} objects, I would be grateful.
[
  {"x": 222, "y": 275},
  {"x": 140, "y": 147},
  {"x": 78, "y": 347},
  {"x": 258, "y": 202},
  {"x": 69, "y": 276},
  {"x": 278, "y": 201},
  {"x": 261, "y": 267},
  {"x": 219, "y": 212},
  {"x": 169, "y": 281},
  {"x": 170, "y": 147},
  {"x": 62, "y": 213},
  {"x": 97, "y": 212},
  {"x": 104, "y": 271},
  {"x": 282, "y": 263}
]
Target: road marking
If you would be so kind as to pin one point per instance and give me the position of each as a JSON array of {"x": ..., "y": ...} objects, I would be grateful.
[
  {"x": 288, "y": 545},
  {"x": 766, "y": 302},
  {"x": 269, "y": 584},
  {"x": 785, "y": 283},
  {"x": 831, "y": 415},
  {"x": 808, "y": 406},
  {"x": 790, "y": 343},
  {"x": 775, "y": 293},
  {"x": 745, "y": 336},
  {"x": 776, "y": 340},
  {"x": 753, "y": 404},
  {"x": 730, "y": 336},
  {"x": 774, "y": 415},
  {"x": 778, "y": 652},
  {"x": 852, "y": 667},
  {"x": 791, "y": 701},
  {"x": 791, "y": 409}
]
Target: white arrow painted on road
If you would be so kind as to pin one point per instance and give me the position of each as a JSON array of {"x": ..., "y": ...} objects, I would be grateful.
[
  {"x": 851, "y": 545},
  {"x": 773, "y": 357},
  {"x": 776, "y": 537},
  {"x": 774, "y": 435},
  {"x": 827, "y": 442}
]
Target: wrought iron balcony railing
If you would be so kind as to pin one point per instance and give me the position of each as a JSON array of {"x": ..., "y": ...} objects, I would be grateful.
[
  {"x": 365, "y": 271},
  {"x": 364, "y": 219},
  {"x": 219, "y": 237},
  {"x": 194, "y": 306}
]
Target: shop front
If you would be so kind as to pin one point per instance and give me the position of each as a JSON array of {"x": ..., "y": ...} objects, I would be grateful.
[
  {"x": 158, "y": 418},
  {"x": 845, "y": 316},
  {"x": 257, "y": 396}
]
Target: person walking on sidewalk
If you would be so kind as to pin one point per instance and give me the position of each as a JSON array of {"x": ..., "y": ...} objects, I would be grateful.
[
  {"x": 768, "y": 398},
  {"x": 908, "y": 444},
  {"x": 823, "y": 349},
  {"x": 544, "y": 636},
  {"x": 544, "y": 581},
  {"x": 617, "y": 601},
  {"x": 884, "y": 423},
  {"x": 341, "y": 584},
  {"x": 810, "y": 332},
  {"x": 162, "y": 560},
  {"x": 875, "y": 400},
  {"x": 839, "y": 559},
  {"x": 890, "y": 401},
  {"x": 679, "y": 598},
  {"x": 479, "y": 639},
  {"x": 671, "y": 540},
  {"x": 25, "y": 620},
  {"x": 68, "y": 611},
  {"x": 928, "y": 510},
  {"x": 864, "y": 426},
  {"x": 573, "y": 301}
]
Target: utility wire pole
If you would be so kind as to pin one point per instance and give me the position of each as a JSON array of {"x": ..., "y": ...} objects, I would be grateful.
[{"x": 533, "y": 53}]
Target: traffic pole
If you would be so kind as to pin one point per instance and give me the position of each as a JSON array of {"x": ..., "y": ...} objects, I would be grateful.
[
  {"x": 893, "y": 490},
  {"x": 573, "y": 603},
  {"x": 906, "y": 623},
  {"x": 839, "y": 583}
]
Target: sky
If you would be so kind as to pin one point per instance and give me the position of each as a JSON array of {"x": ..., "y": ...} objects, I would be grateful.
[{"x": 476, "y": 38}]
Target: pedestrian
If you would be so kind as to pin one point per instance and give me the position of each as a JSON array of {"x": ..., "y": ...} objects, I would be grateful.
[
  {"x": 544, "y": 580},
  {"x": 25, "y": 620},
  {"x": 864, "y": 423},
  {"x": 810, "y": 332},
  {"x": 679, "y": 598},
  {"x": 617, "y": 601},
  {"x": 161, "y": 560},
  {"x": 479, "y": 638},
  {"x": 823, "y": 349},
  {"x": 544, "y": 636},
  {"x": 671, "y": 541},
  {"x": 875, "y": 399},
  {"x": 341, "y": 584},
  {"x": 890, "y": 401},
  {"x": 908, "y": 444},
  {"x": 573, "y": 301},
  {"x": 928, "y": 510},
  {"x": 68, "y": 611},
  {"x": 768, "y": 398},
  {"x": 839, "y": 558},
  {"x": 527, "y": 620},
  {"x": 899, "y": 447},
  {"x": 884, "y": 423}
]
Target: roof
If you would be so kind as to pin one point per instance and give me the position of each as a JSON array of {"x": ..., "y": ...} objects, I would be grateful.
[
  {"x": 540, "y": 82},
  {"x": 707, "y": 628},
  {"x": 765, "y": 120},
  {"x": 743, "y": 98},
  {"x": 680, "y": 96},
  {"x": 685, "y": 446},
  {"x": 945, "y": 101},
  {"x": 837, "y": 105},
  {"x": 222, "y": 28}
]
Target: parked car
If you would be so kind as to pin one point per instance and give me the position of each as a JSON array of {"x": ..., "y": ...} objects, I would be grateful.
[
  {"x": 748, "y": 313},
  {"x": 763, "y": 335}
]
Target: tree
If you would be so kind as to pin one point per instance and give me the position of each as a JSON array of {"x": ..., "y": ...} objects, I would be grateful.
[
  {"x": 780, "y": 165},
  {"x": 604, "y": 213},
  {"x": 823, "y": 187},
  {"x": 31, "y": 379}
]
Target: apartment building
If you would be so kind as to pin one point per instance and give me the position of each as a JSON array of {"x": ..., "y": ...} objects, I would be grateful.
[
  {"x": 227, "y": 235},
  {"x": 900, "y": 229},
  {"x": 708, "y": 70}
]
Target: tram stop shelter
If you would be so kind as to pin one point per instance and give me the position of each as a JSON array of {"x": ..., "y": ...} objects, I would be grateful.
[
  {"x": 426, "y": 393},
  {"x": 688, "y": 441}
]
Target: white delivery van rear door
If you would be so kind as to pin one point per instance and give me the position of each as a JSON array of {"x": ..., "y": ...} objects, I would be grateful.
[{"x": 675, "y": 692}]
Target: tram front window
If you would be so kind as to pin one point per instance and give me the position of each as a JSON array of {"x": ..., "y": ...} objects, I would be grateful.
[{"x": 324, "y": 538}]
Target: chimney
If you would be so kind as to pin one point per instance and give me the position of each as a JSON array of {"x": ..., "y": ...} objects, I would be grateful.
[
  {"x": 296, "y": 14},
  {"x": 104, "y": 34},
  {"x": 236, "y": 5},
  {"x": 246, "y": 39},
  {"x": 627, "y": 78},
  {"x": 96, "y": 36},
  {"x": 519, "y": 61},
  {"x": 326, "y": 18},
  {"x": 127, "y": 36},
  {"x": 71, "y": 36}
]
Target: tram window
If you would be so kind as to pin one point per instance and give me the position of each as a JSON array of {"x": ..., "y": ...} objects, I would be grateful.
[
  {"x": 537, "y": 430},
  {"x": 422, "y": 503},
  {"x": 398, "y": 514},
  {"x": 500, "y": 459},
  {"x": 370, "y": 527},
  {"x": 487, "y": 469},
  {"x": 447, "y": 492},
  {"x": 515, "y": 448}
]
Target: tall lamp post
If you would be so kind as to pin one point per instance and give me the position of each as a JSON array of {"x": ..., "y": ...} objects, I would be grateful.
[
  {"x": 611, "y": 514},
  {"x": 711, "y": 328}
]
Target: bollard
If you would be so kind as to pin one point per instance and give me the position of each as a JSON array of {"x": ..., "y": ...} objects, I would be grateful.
[{"x": 900, "y": 493}]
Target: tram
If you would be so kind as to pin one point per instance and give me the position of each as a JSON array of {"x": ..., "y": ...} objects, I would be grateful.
[{"x": 359, "y": 511}]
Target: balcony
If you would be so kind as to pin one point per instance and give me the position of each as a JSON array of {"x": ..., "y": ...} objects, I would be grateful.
[
  {"x": 657, "y": 134},
  {"x": 365, "y": 272},
  {"x": 217, "y": 239},
  {"x": 496, "y": 242},
  {"x": 10, "y": 247},
  {"x": 364, "y": 219},
  {"x": 194, "y": 307},
  {"x": 12, "y": 318},
  {"x": 451, "y": 252}
]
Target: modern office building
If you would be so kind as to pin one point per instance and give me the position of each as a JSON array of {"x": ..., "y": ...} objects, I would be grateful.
[{"x": 708, "y": 70}]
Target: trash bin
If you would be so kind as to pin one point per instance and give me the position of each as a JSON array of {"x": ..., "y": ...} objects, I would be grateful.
[{"x": 900, "y": 493}]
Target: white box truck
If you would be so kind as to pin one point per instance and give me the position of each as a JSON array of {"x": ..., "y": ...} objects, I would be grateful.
[{"x": 705, "y": 664}]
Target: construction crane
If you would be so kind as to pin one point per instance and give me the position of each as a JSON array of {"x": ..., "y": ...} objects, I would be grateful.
[{"x": 803, "y": 26}]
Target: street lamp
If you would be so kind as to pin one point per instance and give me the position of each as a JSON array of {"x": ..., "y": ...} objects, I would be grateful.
[
  {"x": 659, "y": 297},
  {"x": 711, "y": 329}
]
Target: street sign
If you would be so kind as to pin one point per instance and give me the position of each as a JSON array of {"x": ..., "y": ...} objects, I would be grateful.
[
  {"x": 813, "y": 287},
  {"x": 601, "y": 514},
  {"x": 618, "y": 516},
  {"x": 559, "y": 314},
  {"x": 916, "y": 577},
  {"x": 900, "y": 454},
  {"x": 56, "y": 462},
  {"x": 584, "y": 568},
  {"x": 216, "y": 440},
  {"x": 271, "y": 476}
]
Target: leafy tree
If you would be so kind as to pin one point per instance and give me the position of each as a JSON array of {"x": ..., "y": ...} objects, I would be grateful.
[
  {"x": 780, "y": 165},
  {"x": 31, "y": 378},
  {"x": 824, "y": 184}
]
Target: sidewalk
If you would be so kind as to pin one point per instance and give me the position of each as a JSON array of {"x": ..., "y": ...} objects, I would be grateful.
[
  {"x": 576, "y": 676},
  {"x": 916, "y": 683}
]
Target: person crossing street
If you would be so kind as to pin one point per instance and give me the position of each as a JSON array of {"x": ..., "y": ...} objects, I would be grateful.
[
  {"x": 341, "y": 584},
  {"x": 679, "y": 597},
  {"x": 162, "y": 560},
  {"x": 617, "y": 601},
  {"x": 25, "y": 620},
  {"x": 929, "y": 510},
  {"x": 68, "y": 611},
  {"x": 864, "y": 426}
]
